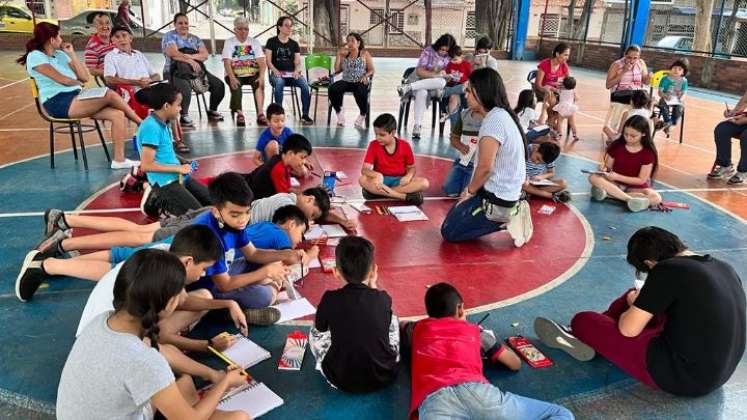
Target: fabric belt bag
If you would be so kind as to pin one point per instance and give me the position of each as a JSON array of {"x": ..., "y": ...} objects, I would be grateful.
[{"x": 496, "y": 209}]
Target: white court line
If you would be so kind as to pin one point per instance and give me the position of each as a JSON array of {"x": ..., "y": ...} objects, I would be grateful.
[
  {"x": 14, "y": 83},
  {"x": 93, "y": 211},
  {"x": 16, "y": 111}
]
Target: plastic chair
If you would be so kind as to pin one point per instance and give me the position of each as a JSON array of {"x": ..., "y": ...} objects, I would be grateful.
[
  {"x": 654, "y": 86},
  {"x": 201, "y": 96},
  {"x": 73, "y": 124},
  {"x": 319, "y": 61},
  {"x": 404, "y": 106}
]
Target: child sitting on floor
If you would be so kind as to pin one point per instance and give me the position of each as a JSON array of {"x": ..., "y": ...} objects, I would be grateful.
[
  {"x": 272, "y": 138},
  {"x": 274, "y": 176},
  {"x": 464, "y": 139},
  {"x": 629, "y": 168},
  {"x": 566, "y": 106},
  {"x": 113, "y": 372},
  {"x": 672, "y": 91},
  {"x": 641, "y": 105},
  {"x": 355, "y": 338},
  {"x": 171, "y": 190},
  {"x": 541, "y": 167},
  {"x": 389, "y": 166},
  {"x": 447, "y": 367},
  {"x": 527, "y": 113}
]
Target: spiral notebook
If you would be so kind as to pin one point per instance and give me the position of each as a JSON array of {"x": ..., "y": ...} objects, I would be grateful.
[
  {"x": 246, "y": 352},
  {"x": 254, "y": 398}
]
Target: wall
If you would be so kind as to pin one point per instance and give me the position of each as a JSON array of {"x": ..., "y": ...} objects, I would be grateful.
[{"x": 715, "y": 73}]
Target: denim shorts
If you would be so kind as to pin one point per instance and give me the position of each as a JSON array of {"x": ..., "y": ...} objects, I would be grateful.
[
  {"x": 392, "y": 181},
  {"x": 59, "y": 105}
]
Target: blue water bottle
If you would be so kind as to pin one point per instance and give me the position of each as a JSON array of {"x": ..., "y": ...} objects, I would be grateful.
[{"x": 329, "y": 182}]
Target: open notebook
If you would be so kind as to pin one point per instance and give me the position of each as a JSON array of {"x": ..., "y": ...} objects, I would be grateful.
[
  {"x": 246, "y": 353},
  {"x": 254, "y": 398},
  {"x": 407, "y": 213}
]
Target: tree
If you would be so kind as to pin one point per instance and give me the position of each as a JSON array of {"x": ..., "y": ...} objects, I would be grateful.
[
  {"x": 583, "y": 21},
  {"x": 493, "y": 19},
  {"x": 731, "y": 25},
  {"x": 325, "y": 22},
  {"x": 571, "y": 17},
  {"x": 428, "y": 21},
  {"x": 702, "y": 41}
]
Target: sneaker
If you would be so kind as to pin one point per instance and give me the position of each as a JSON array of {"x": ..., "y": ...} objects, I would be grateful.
[
  {"x": 214, "y": 115},
  {"x": 415, "y": 198},
  {"x": 520, "y": 226},
  {"x": 32, "y": 275},
  {"x": 263, "y": 316},
  {"x": 51, "y": 246},
  {"x": 598, "y": 194},
  {"x": 125, "y": 164},
  {"x": 360, "y": 122},
  {"x": 369, "y": 195},
  {"x": 659, "y": 125},
  {"x": 416, "y": 132},
  {"x": 186, "y": 122},
  {"x": 738, "y": 178},
  {"x": 561, "y": 197},
  {"x": 403, "y": 91},
  {"x": 340, "y": 119},
  {"x": 148, "y": 204},
  {"x": 446, "y": 116},
  {"x": 637, "y": 204},
  {"x": 306, "y": 120},
  {"x": 722, "y": 171},
  {"x": 667, "y": 129},
  {"x": 262, "y": 120},
  {"x": 54, "y": 219},
  {"x": 240, "y": 120},
  {"x": 556, "y": 336}
]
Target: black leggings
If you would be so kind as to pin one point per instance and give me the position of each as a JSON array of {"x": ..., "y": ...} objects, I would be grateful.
[
  {"x": 217, "y": 92},
  {"x": 360, "y": 92},
  {"x": 176, "y": 199}
]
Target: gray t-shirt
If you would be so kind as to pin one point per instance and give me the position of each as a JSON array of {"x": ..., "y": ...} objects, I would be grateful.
[
  {"x": 110, "y": 375},
  {"x": 263, "y": 209}
]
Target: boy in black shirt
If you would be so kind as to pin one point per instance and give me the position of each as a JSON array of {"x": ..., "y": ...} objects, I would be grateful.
[
  {"x": 273, "y": 176},
  {"x": 355, "y": 338}
]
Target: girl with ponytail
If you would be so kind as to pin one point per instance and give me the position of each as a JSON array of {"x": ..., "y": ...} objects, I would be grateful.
[
  {"x": 59, "y": 76},
  {"x": 114, "y": 369}
]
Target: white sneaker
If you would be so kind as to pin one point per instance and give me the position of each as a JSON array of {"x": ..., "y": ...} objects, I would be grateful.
[
  {"x": 360, "y": 122},
  {"x": 725, "y": 172},
  {"x": 125, "y": 164},
  {"x": 520, "y": 225},
  {"x": 637, "y": 204},
  {"x": 597, "y": 193},
  {"x": 341, "y": 118}
]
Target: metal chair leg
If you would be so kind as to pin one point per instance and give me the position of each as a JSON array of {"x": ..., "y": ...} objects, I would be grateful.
[
  {"x": 329, "y": 112},
  {"x": 51, "y": 145},
  {"x": 103, "y": 142},
  {"x": 82, "y": 145},
  {"x": 682, "y": 125},
  {"x": 72, "y": 140},
  {"x": 316, "y": 102},
  {"x": 199, "y": 106}
]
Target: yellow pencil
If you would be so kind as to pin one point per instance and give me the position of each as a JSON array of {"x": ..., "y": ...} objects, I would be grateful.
[{"x": 227, "y": 360}]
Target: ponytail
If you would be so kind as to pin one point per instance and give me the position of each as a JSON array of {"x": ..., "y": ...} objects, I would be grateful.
[
  {"x": 149, "y": 323},
  {"x": 43, "y": 32}
]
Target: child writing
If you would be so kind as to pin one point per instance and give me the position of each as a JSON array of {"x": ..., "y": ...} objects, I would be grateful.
[
  {"x": 672, "y": 91},
  {"x": 629, "y": 168},
  {"x": 463, "y": 138},
  {"x": 526, "y": 111},
  {"x": 272, "y": 138},
  {"x": 641, "y": 104},
  {"x": 389, "y": 166},
  {"x": 273, "y": 176},
  {"x": 172, "y": 190},
  {"x": 355, "y": 338},
  {"x": 447, "y": 366},
  {"x": 541, "y": 169},
  {"x": 566, "y": 106},
  {"x": 114, "y": 369},
  {"x": 457, "y": 72}
]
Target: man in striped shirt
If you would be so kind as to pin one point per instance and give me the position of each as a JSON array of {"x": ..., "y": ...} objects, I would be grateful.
[{"x": 99, "y": 44}]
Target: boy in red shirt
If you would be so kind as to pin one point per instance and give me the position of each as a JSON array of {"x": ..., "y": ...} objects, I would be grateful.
[
  {"x": 389, "y": 166},
  {"x": 447, "y": 378},
  {"x": 457, "y": 72},
  {"x": 273, "y": 176}
]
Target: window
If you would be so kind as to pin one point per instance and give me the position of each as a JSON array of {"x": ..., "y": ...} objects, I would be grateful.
[
  {"x": 17, "y": 13},
  {"x": 549, "y": 24},
  {"x": 398, "y": 19},
  {"x": 412, "y": 19},
  {"x": 471, "y": 26}
]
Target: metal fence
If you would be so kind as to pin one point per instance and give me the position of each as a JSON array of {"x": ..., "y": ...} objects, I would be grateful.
[{"x": 671, "y": 26}]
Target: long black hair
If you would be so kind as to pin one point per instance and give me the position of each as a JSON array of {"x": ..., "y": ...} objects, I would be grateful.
[
  {"x": 641, "y": 125},
  {"x": 445, "y": 40},
  {"x": 488, "y": 88},
  {"x": 526, "y": 100},
  {"x": 358, "y": 38},
  {"x": 145, "y": 284},
  {"x": 280, "y": 22}
]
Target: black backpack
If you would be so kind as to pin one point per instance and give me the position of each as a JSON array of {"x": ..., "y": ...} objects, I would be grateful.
[{"x": 182, "y": 70}]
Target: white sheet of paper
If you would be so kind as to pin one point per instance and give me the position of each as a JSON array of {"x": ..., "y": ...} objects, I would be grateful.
[
  {"x": 314, "y": 263},
  {"x": 542, "y": 182},
  {"x": 674, "y": 100},
  {"x": 92, "y": 93},
  {"x": 407, "y": 213},
  {"x": 334, "y": 231},
  {"x": 246, "y": 352},
  {"x": 293, "y": 309},
  {"x": 255, "y": 400},
  {"x": 314, "y": 233},
  {"x": 294, "y": 182}
]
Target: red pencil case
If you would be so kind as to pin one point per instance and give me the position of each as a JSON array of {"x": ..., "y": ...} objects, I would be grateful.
[{"x": 529, "y": 352}]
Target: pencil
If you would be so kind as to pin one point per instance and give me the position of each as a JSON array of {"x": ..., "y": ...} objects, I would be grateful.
[
  {"x": 484, "y": 318},
  {"x": 227, "y": 360}
]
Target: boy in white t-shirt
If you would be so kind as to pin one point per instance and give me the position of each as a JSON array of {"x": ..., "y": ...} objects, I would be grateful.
[
  {"x": 463, "y": 138},
  {"x": 244, "y": 63}
]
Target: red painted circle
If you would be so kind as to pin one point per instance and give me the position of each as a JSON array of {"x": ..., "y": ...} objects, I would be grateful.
[{"x": 412, "y": 256}]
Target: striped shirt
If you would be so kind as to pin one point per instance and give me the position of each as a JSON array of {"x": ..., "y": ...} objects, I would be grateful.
[
  {"x": 535, "y": 169},
  {"x": 509, "y": 169},
  {"x": 95, "y": 52}
]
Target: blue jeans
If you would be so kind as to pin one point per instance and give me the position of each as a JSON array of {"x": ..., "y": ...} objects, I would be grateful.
[
  {"x": 668, "y": 117},
  {"x": 533, "y": 134},
  {"x": 279, "y": 84},
  {"x": 478, "y": 401},
  {"x": 253, "y": 296},
  {"x": 466, "y": 221},
  {"x": 458, "y": 178},
  {"x": 453, "y": 90}
]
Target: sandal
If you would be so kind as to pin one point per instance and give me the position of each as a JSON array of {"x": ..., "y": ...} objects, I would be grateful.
[
  {"x": 181, "y": 147},
  {"x": 261, "y": 119}
]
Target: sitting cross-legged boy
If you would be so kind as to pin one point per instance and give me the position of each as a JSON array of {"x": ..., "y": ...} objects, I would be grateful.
[
  {"x": 541, "y": 166},
  {"x": 274, "y": 176},
  {"x": 272, "y": 138},
  {"x": 389, "y": 166},
  {"x": 464, "y": 131},
  {"x": 447, "y": 376},
  {"x": 355, "y": 338}
]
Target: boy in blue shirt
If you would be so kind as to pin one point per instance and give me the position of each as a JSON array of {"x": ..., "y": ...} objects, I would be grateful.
[
  {"x": 672, "y": 91},
  {"x": 171, "y": 190},
  {"x": 272, "y": 138}
]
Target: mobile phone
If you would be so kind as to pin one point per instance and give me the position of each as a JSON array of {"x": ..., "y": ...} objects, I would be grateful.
[{"x": 529, "y": 352}]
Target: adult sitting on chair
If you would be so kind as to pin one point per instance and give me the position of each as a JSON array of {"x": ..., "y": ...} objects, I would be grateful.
[
  {"x": 356, "y": 66},
  {"x": 550, "y": 72},
  {"x": 285, "y": 66},
  {"x": 99, "y": 44},
  {"x": 428, "y": 76},
  {"x": 244, "y": 62},
  {"x": 172, "y": 45},
  {"x": 627, "y": 75},
  {"x": 59, "y": 75},
  {"x": 734, "y": 127},
  {"x": 127, "y": 70}
]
